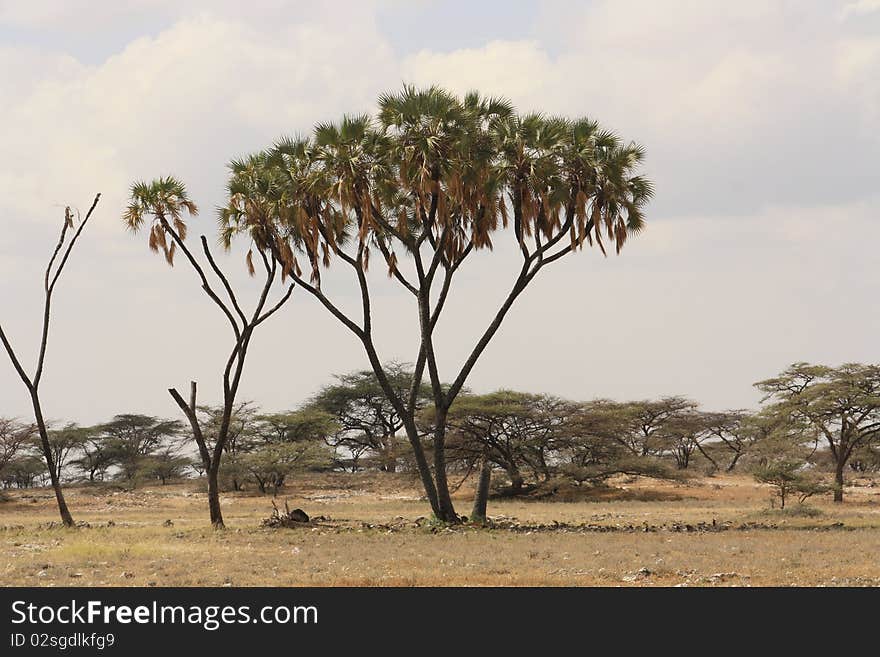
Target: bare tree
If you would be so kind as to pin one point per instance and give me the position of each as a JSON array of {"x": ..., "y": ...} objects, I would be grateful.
[{"x": 65, "y": 245}]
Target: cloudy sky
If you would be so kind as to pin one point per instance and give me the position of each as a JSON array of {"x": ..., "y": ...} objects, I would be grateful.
[{"x": 761, "y": 120}]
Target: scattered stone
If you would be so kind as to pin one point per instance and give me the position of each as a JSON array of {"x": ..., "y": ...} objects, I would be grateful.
[
  {"x": 126, "y": 575},
  {"x": 717, "y": 578},
  {"x": 168, "y": 523}
]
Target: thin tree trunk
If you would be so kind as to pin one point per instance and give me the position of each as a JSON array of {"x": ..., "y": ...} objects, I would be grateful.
[
  {"x": 444, "y": 500},
  {"x": 66, "y": 518},
  {"x": 838, "y": 481},
  {"x": 211, "y": 465},
  {"x": 214, "y": 499},
  {"x": 709, "y": 458},
  {"x": 389, "y": 460},
  {"x": 732, "y": 465},
  {"x": 516, "y": 480},
  {"x": 422, "y": 464},
  {"x": 481, "y": 497}
]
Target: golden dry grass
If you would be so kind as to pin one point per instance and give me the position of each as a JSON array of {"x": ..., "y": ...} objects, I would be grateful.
[{"x": 837, "y": 547}]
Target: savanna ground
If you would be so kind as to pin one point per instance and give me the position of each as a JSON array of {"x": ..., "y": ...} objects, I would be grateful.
[{"x": 639, "y": 532}]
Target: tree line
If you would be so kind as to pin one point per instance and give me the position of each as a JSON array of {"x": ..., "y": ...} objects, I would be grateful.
[{"x": 511, "y": 443}]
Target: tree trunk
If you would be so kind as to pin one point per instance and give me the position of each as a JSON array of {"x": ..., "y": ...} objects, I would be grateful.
[
  {"x": 214, "y": 498},
  {"x": 481, "y": 497},
  {"x": 732, "y": 465},
  {"x": 444, "y": 500},
  {"x": 66, "y": 518},
  {"x": 682, "y": 459},
  {"x": 389, "y": 460},
  {"x": 412, "y": 434},
  {"x": 838, "y": 482},
  {"x": 516, "y": 480}
]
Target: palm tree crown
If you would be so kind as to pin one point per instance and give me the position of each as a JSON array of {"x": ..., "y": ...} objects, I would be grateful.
[
  {"x": 164, "y": 201},
  {"x": 431, "y": 166}
]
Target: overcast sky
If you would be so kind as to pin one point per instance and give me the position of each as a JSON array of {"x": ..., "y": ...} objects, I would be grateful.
[{"x": 761, "y": 121}]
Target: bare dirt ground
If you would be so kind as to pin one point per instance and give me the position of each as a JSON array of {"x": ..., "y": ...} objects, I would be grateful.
[{"x": 710, "y": 532}]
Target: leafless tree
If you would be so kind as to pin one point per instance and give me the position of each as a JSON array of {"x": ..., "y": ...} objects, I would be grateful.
[{"x": 67, "y": 240}]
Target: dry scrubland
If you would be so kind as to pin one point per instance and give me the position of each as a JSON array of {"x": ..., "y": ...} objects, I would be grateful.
[{"x": 159, "y": 536}]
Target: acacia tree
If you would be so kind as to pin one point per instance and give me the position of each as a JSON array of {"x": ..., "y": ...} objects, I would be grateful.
[
  {"x": 65, "y": 441},
  {"x": 641, "y": 424},
  {"x": 164, "y": 463},
  {"x": 304, "y": 425},
  {"x": 66, "y": 241},
  {"x": 514, "y": 431},
  {"x": 96, "y": 455},
  {"x": 684, "y": 434},
  {"x": 25, "y": 471},
  {"x": 788, "y": 477},
  {"x": 163, "y": 202},
  {"x": 427, "y": 183},
  {"x": 289, "y": 441},
  {"x": 15, "y": 438},
  {"x": 841, "y": 404},
  {"x": 240, "y": 433},
  {"x": 736, "y": 431},
  {"x": 129, "y": 439},
  {"x": 367, "y": 421}
]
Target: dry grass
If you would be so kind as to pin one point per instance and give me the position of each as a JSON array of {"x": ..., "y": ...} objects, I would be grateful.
[{"x": 836, "y": 547}]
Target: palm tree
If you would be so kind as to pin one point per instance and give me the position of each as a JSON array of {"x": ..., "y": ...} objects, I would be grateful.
[
  {"x": 434, "y": 178},
  {"x": 163, "y": 202}
]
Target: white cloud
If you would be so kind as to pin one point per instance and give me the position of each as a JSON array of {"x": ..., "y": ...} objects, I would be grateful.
[
  {"x": 515, "y": 69},
  {"x": 761, "y": 122},
  {"x": 185, "y": 101},
  {"x": 732, "y": 102},
  {"x": 859, "y": 8}
]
